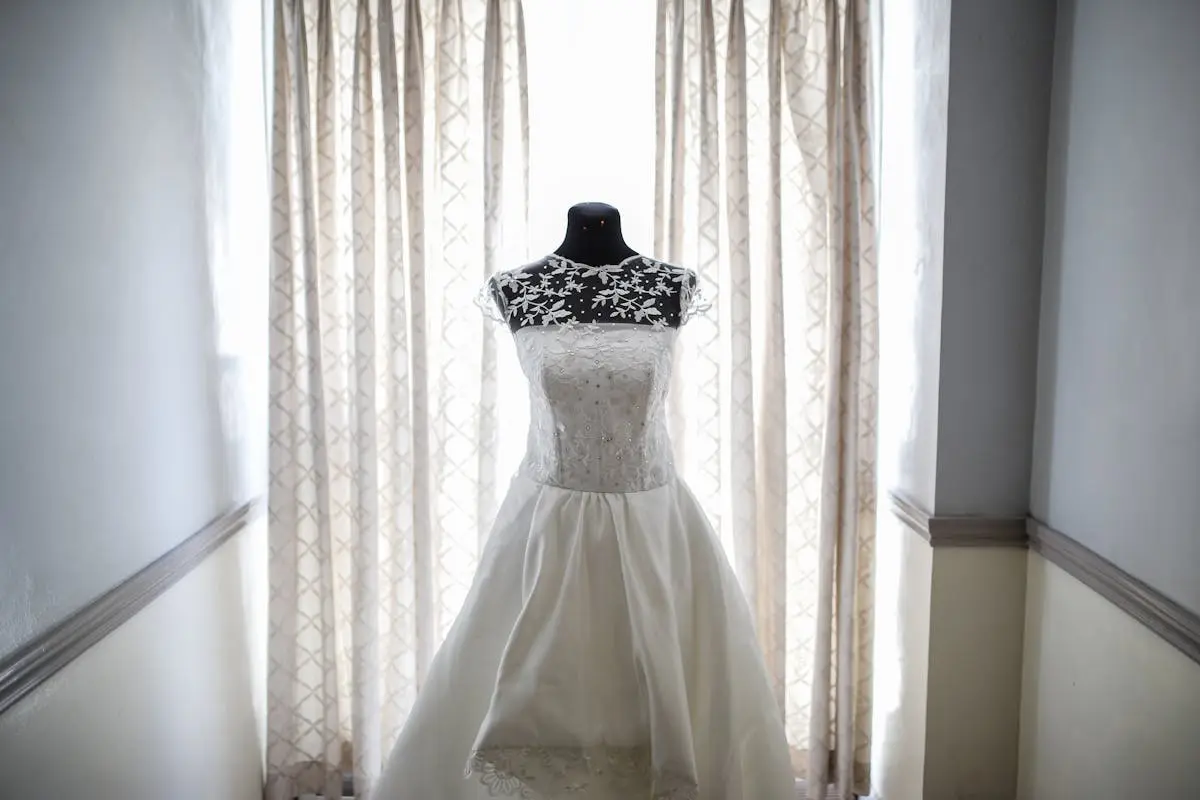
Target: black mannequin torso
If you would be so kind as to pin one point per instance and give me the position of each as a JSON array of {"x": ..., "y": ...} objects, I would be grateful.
[
  {"x": 593, "y": 277},
  {"x": 594, "y": 236}
]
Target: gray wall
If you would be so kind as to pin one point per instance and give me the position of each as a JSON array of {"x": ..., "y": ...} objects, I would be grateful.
[
  {"x": 110, "y": 442},
  {"x": 1001, "y": 57},
  {"x": 1117, "y": 444}
]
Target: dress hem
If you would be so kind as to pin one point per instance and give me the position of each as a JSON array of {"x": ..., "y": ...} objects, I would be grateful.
[{"x": 534, "y": 772}]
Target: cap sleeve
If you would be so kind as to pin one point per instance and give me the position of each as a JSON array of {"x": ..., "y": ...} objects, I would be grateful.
[
  {"x": 695, "y": 298},
  {"x": 492, "y": 301}
]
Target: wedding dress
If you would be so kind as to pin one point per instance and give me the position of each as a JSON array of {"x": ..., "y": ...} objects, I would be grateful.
[{"x": 605, "y": 650}]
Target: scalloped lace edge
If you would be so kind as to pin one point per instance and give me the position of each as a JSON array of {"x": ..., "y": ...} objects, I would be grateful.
[{"x": 566, "y": 771}]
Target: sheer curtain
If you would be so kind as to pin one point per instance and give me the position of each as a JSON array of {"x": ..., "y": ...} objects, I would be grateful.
[
  {"x": 399, "y": 153},
  {"x": 405, "y": 171},
  {"x": 764, "y": 184}
]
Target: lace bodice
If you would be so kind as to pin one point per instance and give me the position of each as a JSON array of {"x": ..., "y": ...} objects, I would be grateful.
[
  {"x": 555, "y": 291},
  {"x": 596, "y": 396},
  {"x": 597, "y": 390}
]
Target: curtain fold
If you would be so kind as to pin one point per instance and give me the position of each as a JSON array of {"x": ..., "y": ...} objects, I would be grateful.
[
  {"x": 400, "y": 160},
  {"x": 400, "y": 169},
  {"x": 764, "y": 184}
]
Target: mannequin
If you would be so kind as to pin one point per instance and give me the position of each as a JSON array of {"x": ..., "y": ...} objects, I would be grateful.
[
  {"x": 593, "y": 239},
  {"x": 593, "y": 236}
]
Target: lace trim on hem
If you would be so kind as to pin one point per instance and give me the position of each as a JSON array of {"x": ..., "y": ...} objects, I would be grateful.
[{"x": 564, "y": 771}]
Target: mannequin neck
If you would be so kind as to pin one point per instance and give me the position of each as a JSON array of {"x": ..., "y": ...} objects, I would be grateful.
[{"x": 593, "y": 236}]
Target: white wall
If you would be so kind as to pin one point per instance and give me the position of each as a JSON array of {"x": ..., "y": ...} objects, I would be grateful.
[
  {"x": 1117, "y": 451},
  {"x": 1109, "y": 709},
  {"x": 1115, "y": 460},
  {"x": 976, "y": 610},
  {"x": 123, "y": 125},
  {"x": 171, "y": 706},
  {"x": 110, "y": 441}
]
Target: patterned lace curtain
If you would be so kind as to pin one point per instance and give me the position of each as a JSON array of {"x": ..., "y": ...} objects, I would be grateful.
[
  {"x": 400, "y": 153},
  {"x": 764, "y": 185}
]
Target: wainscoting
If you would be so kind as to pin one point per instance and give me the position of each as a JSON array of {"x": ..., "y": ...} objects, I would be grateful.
[
  {"x": 1175, "y": 624},
  {"x": 1046, "y": 670},
  {"x": 1110, "y": 708}
]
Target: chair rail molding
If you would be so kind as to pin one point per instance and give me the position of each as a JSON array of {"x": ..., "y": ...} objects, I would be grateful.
[
  {"x": 960, "y": 530},
  {"x": 42, "y": 657},
  {"x": 1177, "y": 625}
]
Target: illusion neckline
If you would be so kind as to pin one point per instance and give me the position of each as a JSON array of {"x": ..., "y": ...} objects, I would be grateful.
[{"x": 618, "y": 265}]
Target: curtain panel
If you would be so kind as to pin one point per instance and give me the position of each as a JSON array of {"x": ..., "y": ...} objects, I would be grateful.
[
  {"x": 764, "y": 185},
  {"x": 400, "y": 180}
]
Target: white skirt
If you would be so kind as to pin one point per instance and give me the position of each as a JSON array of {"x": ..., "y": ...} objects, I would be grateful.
[{"x": 605, "y": 651}]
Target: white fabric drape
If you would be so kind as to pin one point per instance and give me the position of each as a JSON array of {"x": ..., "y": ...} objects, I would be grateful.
[
  {"x": 400, "y": 164},
  {"x": 764, "y": 185}
]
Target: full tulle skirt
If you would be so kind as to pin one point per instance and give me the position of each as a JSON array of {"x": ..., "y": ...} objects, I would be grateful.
[{"x": 604, "y": 652}]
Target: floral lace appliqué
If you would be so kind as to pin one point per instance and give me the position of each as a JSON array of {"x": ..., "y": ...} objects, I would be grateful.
[
  {"x": 638, "y": 290},
  {"x": 561, "y": 773}
]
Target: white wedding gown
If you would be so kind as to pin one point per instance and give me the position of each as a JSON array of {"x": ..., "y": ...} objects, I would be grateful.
[{"x": 605, "y": 650}]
